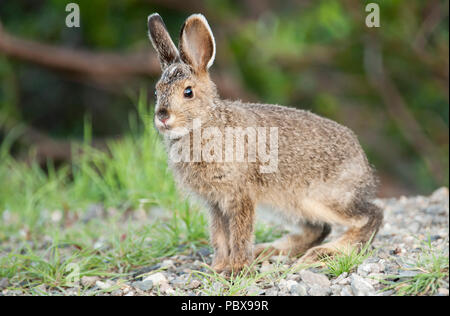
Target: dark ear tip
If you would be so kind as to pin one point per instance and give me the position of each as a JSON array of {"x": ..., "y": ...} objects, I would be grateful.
[{"x": 154, "y": 17}]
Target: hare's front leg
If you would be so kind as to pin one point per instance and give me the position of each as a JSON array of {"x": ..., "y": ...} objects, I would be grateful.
[
  {"x": 220, "y": 235},
  {"x": 241, "y": 213}
]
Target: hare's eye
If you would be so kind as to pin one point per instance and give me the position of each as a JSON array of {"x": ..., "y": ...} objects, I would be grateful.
[
  {"x": 156, "y": 95},
  {"x": 188, "y": 93}
]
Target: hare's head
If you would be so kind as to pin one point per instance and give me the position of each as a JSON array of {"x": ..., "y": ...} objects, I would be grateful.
[{"x": 184, "y": 91}]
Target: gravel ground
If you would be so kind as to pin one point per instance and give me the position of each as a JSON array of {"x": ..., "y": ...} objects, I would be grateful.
[{"x": 409, "y": 221}]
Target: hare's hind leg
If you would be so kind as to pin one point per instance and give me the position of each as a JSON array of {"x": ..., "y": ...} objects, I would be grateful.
[
  {"x": 370, "y": 219},
  {"x": 294, "y": 244}
]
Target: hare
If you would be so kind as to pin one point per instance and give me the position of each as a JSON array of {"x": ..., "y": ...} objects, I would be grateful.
[{"x": 322, "y": 176}]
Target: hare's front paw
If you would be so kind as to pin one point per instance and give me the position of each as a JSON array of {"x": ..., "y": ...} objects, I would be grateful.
[
  {"x": 228, "y": 269},
  {"x": 239, "y": 265},
  {"x": 220, "y": 265}
]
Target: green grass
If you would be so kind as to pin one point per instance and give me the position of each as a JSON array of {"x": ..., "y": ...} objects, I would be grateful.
[
  {"x": 432, "y": 270},
  {"x": 347, "y": 261},
  {"x": 239, "y": 284},
  {"x": 36, "y": 249},
  {"x": 42, "y": 232}
]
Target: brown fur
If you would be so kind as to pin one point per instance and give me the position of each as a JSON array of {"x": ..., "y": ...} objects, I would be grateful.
[{"x": 323, "y": 175}]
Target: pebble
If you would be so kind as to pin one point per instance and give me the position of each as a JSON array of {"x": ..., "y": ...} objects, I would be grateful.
[
  {"x": 397, "y": 249},
  {"x": 341, "y": 279},
  {"x": 271, "y": 291},
  {"x": 157, "y": 279},
  {"x": 366, "y": 268},
  {"x": 104, "y": 285},
  {"x": 266, "y": 267},
  {"x": 317, "y": 290},
  {"x": 443, "y": 291},
  {"x": 254, "y": 290},
  {"x": 194, "y": 284},
  {"x": 145, "y": 286},
  {"x": 408, "y": 274},
  {"x": 278, "y": 259},
  {"x": 89, "y": 281},
  {"x": 4, "y": 283},
  {"x": 167, "y": 264},
  {"x": 346, "y": 291},
  {"x": 311, "y": 279},
  {"x": 299, "y": 289},
  {"x": 360, "y": 286}
]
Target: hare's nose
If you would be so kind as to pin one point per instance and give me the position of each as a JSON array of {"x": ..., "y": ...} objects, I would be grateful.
[{"x": 163, "y": 115}]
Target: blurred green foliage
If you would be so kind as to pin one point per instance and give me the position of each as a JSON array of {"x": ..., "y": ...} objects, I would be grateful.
[{"x": 308, "y": 54}]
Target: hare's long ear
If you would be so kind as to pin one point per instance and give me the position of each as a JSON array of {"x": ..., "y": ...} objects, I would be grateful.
[
  {"x": 163, "y": 44},
  {"x": 197, "y": 45}
]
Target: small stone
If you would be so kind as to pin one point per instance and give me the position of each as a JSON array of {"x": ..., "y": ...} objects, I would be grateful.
[
  {"x": 407, "y": 274},
  {"x": 157, "y": 279},
  {"x": 89, "y": 281},
  {"x": 360, "y": 286},
  {"x": 317, "y": 290},
  {"x": 386, "y": 293},
  {"x": 103, "y": 285},
  {"x": 439, "y": 195},
  {"x": 340, "y": 278},
  {"x": 271, "y": 292},
  {"x": 295, "y": 288},
  {"x": 293, "y": 277},
  {"x": 41, "y": 288},
  {"x": 335, "y": 289},
  {"x": 299, "y": 289},
  {"x": 93, "y": 211},
  {"x": 346, "y": 291},
  {"x": 374, "y": 278},
  {"x": 167, "y": 264},
  {"x": 143, "y": 285},
  {"x": 56, "y": 216},
  {"x": 254, "y": 290},
  {"x": 117, "y": 293},
  {"x": 167, "y": 289},
  {"x": 194, "y": 284},
  {"x": 367, "y": 268},
  {"x": 278, "y": 259},
  {"x": 179, "y": 282},
  {"x": 204, "y": 252},
  {"x": 311, "y": 278},
  {"x": 4, "y": 283},
  {"x": 282, "y": 285},
  {"x": 290, "y": 284},
  {"x": 216, "y": 287},
  {"x": 435, "y": 237},
  {"x": 266, "y": 267},
  {"x": 443, "y": 291}
]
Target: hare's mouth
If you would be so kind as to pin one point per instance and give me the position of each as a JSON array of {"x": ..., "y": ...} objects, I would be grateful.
[{"x": 164, "y": 125}]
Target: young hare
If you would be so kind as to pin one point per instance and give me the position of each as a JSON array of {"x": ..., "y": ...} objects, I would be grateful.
[{"x": 321, "y": 176}]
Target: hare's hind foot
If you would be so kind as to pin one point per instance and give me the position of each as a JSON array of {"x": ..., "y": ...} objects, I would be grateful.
[
  {"x": 294, "y": 244},
  {"x": 354, "y": 239},
  {"x": 329, "y": 250}
]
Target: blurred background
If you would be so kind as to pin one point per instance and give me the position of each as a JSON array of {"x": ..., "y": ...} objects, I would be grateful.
[{"x": 388, "y": 84}]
